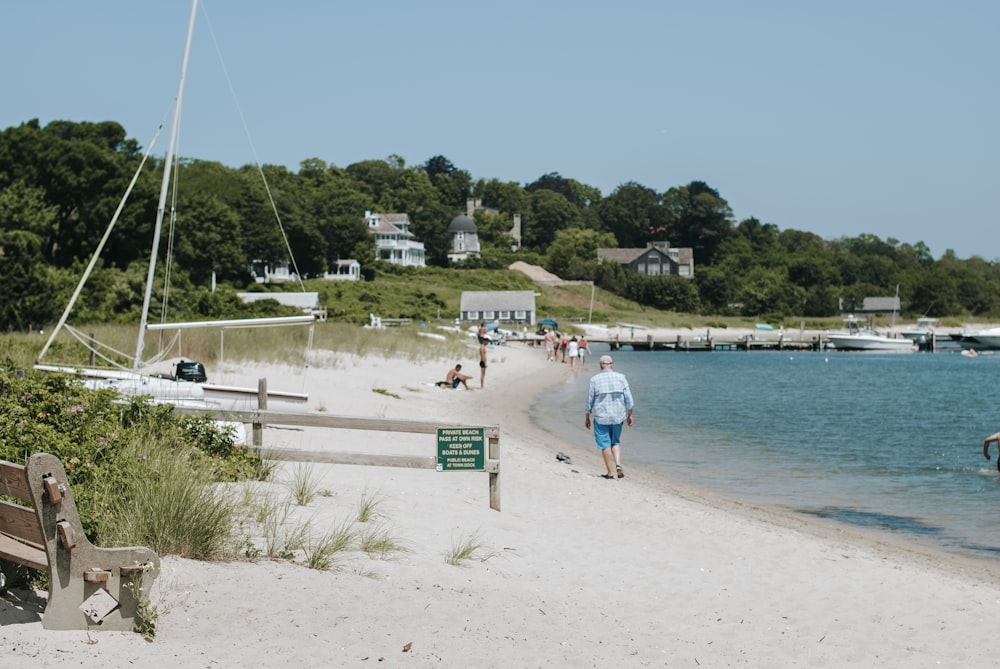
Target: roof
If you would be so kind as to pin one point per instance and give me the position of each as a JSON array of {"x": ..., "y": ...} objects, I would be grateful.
[
  {"x": 498, "y": 300},
  {"x": 887, "y": 304},
  {"x": 462, "y": 223},
  {"x": 392, "y": 224},
  {"x": 623, "y": 256},
  {"x": 626, "y": 256},
  {"x": 298, "y": 300}
]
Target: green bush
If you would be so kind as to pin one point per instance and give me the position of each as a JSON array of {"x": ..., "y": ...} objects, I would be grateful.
[{"x": 140, "y": 473}]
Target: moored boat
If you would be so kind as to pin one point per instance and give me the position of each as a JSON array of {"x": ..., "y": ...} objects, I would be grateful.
[
  {"x": 859, "y": 337},
  {"x": 980, "y": 340},
  {"x": 921, "y": 333}
]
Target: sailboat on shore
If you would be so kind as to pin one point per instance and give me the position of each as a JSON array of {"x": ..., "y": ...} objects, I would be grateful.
[{"x": 177, "y": 381}]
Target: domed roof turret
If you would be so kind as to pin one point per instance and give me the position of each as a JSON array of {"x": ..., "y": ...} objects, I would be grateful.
[{"x": 462, "y": 224}]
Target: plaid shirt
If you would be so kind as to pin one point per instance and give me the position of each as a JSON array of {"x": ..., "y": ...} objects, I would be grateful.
[{"x": 609, "y": 399}]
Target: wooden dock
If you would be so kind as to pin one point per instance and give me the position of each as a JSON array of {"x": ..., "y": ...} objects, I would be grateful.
[{"x": 708, "y": 344}]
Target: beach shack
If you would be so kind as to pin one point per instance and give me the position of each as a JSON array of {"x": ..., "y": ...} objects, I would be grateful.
[{"x": 505, "y": 306}]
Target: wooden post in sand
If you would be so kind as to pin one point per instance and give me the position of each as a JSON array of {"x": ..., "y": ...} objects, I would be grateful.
[
  {"x": 494, "y": 469},
  {"x": 258, "y": 428}
]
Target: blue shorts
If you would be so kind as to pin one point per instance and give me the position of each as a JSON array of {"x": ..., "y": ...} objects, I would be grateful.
[{"x": 607, "y": 436}]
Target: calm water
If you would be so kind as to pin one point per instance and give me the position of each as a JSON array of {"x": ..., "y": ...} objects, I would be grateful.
[{"x": 887, "y": 441}]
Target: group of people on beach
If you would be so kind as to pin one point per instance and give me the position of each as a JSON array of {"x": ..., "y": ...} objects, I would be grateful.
[
  {"x": 609, "y": 403},
  {"x": 562, "y": 348},
  {"x": 455, "y": 378}
]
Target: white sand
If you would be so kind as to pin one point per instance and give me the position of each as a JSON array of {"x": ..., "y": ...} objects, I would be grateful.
[{"x": 586, "y": 572}]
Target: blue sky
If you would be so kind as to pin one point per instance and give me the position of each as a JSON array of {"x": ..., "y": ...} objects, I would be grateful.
[{"x": 838, "y": 118}]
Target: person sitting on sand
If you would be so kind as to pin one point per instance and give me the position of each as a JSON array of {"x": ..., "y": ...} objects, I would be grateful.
[{"x": 456, "y": 377}]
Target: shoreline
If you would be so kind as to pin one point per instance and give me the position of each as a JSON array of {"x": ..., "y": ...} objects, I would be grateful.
[
  {"x": 923, "y": 552},
  {"x": 575, "y": 570}
]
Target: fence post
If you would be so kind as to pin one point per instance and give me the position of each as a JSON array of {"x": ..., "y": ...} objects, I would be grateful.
[
  {"x": 494, "y": 466},
  {"x": 258, "y": 429}
]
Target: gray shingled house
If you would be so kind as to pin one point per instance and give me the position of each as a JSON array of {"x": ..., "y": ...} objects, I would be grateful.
[
  {"x": 654, "y": 260},
  {"x": 506, "y": 306}
]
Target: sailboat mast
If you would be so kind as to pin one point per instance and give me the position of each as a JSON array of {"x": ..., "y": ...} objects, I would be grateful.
[{"x": 164, "y": 187}]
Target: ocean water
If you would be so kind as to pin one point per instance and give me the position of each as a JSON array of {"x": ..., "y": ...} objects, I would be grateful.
[{"x": 887, "y": 441}]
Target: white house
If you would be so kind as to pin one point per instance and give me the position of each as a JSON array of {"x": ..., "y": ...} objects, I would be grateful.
[
  {"x": 271, "y": 272},
  {"x": 344, "y": 270},
  {"x": 393, "y": 240}
]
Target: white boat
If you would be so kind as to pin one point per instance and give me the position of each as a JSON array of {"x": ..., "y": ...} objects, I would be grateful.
[
  {"x": 981, "y": 340},
  {"x": 150, "y": 377},
  {"x": 921, "y": 333},
  {"x": 859, "y": 337}
]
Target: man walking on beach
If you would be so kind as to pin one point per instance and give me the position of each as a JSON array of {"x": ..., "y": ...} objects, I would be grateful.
[{"x": 609, "y": 400}]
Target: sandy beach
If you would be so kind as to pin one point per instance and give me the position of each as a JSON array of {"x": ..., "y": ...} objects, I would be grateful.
[{"x": 574, "y": 571}]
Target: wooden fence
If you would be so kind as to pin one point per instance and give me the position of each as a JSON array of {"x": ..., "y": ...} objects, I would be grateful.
[{"x": 262, "y": 417}]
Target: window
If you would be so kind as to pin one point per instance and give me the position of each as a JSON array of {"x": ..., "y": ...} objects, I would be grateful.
[
  {"x": 684, "y": 270},
  {"x": 488, "y": 315},
  {"x": 505, "y": 315},
  {"x": 521, "y": 315}
]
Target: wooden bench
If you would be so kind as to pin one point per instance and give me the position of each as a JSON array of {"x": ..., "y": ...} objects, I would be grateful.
[{"x": 90, "y": 588}]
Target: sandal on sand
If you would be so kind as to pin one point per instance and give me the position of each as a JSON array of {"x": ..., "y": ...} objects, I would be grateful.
[
  {"x": 607, "y": 476},
  {"x": 621, "y": 474}
]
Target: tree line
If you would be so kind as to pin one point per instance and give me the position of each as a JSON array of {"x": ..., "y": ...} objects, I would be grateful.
[{"x": 60, "y": 185}]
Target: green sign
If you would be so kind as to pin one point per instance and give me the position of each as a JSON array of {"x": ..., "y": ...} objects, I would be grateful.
[{"x": 461, "y": 448}]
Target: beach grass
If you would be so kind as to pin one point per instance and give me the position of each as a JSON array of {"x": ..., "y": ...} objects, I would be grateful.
[
  {"x": 283, "y": 534},
  {"x": 467, "y": 548},
  {"x": 379, "y": 542},
  {"x": 304, "y": 483},
  {"x": 368, "y": 506},
  {"x": 325, "y": 551},
  {"x": 288, "y": 345},
  {"x": 165, "y": 504}
]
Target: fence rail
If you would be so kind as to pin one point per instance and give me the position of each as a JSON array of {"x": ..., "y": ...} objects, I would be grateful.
[{"x": 262, "y": 417}]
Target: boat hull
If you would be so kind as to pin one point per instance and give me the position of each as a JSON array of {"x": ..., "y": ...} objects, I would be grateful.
[
  {"x": 856, "y": 342},
  {"x": 983, "y": 340}
]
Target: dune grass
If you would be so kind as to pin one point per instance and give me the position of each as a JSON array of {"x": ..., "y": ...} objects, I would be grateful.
[
  {"x": 304, "y": 484},
  {"x": 326, "y": 551},
  {"x": 379, "y": 542},
  {"x": 466, "y": 548},
  {"x": 166, "y": 505},
  {"x": 368, "y": 506}
]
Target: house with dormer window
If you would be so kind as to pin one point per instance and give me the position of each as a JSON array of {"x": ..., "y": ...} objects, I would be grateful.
[
  {"x": 393, "y": 240},
  {"x": 657, "y": 259}
]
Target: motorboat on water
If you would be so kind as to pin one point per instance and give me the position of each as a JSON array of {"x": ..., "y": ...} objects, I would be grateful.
[
  {"x": 921, "y": 333},
  {"x": 980, "y": 340},
  {"x": 857, "y": 336}
]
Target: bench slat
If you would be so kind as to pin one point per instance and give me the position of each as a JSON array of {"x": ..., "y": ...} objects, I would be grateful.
[
  {"x": 20, "y": 523},
  {"x": 11, "y": 549},
  {"x": 13, "y": 482}
]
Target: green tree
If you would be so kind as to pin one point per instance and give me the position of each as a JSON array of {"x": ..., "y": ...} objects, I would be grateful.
[
  {"x": 549, "y": 212},
  {"x": 634, "y": 215},
  {"x": 696, "y": 216},
  {"x": 573, "y": 254}
]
